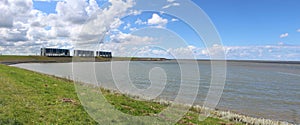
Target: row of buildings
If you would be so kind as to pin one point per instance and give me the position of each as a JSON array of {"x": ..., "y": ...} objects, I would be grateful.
[{"x": 54, "y": 52}]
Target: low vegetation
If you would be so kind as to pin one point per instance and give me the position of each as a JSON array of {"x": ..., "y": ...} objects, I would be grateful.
[
  {"x": 28, "y": 97},
  {"x": 16, "y": 59}
]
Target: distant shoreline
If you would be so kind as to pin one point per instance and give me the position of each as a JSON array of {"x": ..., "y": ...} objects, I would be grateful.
[
  {"x": 257, "y": 61},
  {"x": 10, "y": 60}
]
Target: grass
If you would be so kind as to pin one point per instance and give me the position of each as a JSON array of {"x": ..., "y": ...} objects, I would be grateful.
[
  {"x": 28, "y": 97},
  {"x": 11, "y": 58}
]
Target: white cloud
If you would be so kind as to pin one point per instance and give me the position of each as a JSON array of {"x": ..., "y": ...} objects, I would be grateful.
[
  {"x": 216, "y": 51},
  {"x": 268, "y": 52},
  {"x": 150, "y": 51},
  {"x": 140, "y": 22},
  {"x": 47, "y": 0},
  {"x": 20, "y": 7},
  {"x": 127, "y": 26},
  {"x": 170, "y": 1},
  {"x": 130, "y": 39},
  {"x": 24, "y": 29},
  {"x": 174, "y": 20},
  {"x": 187, "y": 52},
  {"x": 72, "y": 11},
  {"x": 117, "y": 22},
  {"x": 134, "y": 12},
  {"x": 106, "y": 20},
  {"x": 157, "y": 20},
  {"x": 6, "y": 17},
  {"x": 13, "y": 21},
  {"x": 92, "y": 7},
  {"x": 280, "y": 43},
  {"x": 133, "y": 29},
  {"x": 13, "y": 11},
  {"x": 123, "y": 44},
  {"x": 171, "y": 5},
  {"x": 284, "y": 35},
  {"x": 298, "y": 30}
]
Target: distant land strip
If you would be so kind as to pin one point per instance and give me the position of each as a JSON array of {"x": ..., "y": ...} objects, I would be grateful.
[{"x": 14, "y": 59}]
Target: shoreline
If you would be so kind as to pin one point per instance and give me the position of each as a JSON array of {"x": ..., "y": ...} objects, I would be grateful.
[{"x": 215, "y": 113}]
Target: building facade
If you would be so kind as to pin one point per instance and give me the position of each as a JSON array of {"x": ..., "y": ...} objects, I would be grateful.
[
  {"x": 54, "y": 52},
  {"x": 104, "y": 54},
  {"x": 84, "y": 53}
]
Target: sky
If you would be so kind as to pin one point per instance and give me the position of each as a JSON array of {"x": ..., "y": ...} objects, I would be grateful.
[{"x": 248, "y": 30}]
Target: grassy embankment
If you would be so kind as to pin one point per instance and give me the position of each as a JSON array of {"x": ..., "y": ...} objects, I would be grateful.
[
  {"x": 28, "y": 97},
  {"x": 10, "y": 59}
]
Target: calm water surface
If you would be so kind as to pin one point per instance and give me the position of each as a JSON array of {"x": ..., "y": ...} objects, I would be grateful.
[{"x": 267, "y": 90}]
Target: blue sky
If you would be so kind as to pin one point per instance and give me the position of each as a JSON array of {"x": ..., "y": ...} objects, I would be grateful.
[
  {"x": 254, "y": 22},
  {"x": 250, "y": 30}
]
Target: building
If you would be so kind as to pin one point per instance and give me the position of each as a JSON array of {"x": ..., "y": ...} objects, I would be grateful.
[
  {"x": 104, "y": 54},
  {"x": 81, "y": 53},
  {"x": 84, "y": 53},
  {"x": 54, "y": 52}
]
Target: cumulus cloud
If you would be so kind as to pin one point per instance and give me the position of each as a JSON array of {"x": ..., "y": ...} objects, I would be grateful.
[
  {"x": 13, "y": 11},
  {"x": 130, "y": 45},
  {"x": 6, "y": 19},
  {"x": 13, "y": 27},
  {"x": 131, "y": 39},
  {"x": 273, "y": 52},
  {"x": 284, "y": 35},
  {"x": 216, "y": 51},
  {"x": 24, "y": 29},
  {"x": 72, "y": 11},
  {"x": 188, "y": 52},
  {"x": 157, "y": 20},
  {"x": 107, "y": 20},
  {"x": 128, "y": 51},
  {"x": 268, "y": 52}
]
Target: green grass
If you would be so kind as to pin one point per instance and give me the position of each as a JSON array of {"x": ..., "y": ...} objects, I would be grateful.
[
  {"x": 28, "y": 97},
  {"x": 11, "y": 58},
  {"x": 17, "y": 58}
]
